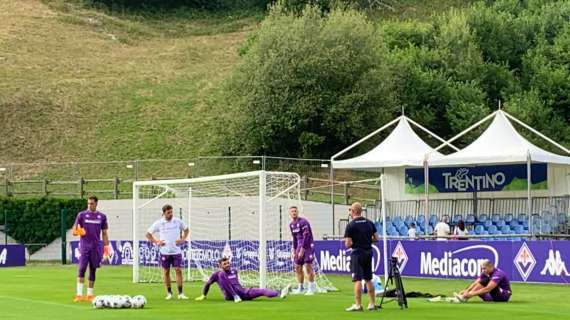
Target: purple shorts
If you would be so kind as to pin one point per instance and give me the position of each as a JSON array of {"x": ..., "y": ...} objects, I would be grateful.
[
  {"x": 168, "y": 260},
  {"x": 307, "y": 258},
  {"x": 497, "y": 295},
  {"x": 91, "y": 257}
]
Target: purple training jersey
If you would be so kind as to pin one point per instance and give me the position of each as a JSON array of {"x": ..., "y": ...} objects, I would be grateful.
[
  {"x": 302, "y": 234},
  {"x": 227, "y": 281},
  {"x": 93, "y": 223},
  {"x": 499, "y": 277}
]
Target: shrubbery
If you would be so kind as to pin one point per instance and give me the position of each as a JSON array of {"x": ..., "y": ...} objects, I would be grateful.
[
  {"x": 310, "y": 83},
  {"x": 38, "y": 221}
]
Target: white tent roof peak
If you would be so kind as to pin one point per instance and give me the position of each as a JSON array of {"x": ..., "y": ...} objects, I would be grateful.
[
  {"x": 402, "y": 147},
  {"x": 499, "y": 143}
]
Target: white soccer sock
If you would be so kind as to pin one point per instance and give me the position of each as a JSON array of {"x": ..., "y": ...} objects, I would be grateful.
[
  {"x": 79, "y": 289},
  {"x": 300, "y": 286},
  {"x": 89, "y": 291},
  {"x": 312, "y": 286}
]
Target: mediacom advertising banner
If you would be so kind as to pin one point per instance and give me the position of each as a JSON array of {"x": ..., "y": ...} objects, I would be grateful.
[
  {"x": 12, "y": 255},
  {"x": 524, "y": 261}
]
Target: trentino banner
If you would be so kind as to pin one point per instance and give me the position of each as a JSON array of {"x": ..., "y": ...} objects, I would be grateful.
[{"x": 480, "y": 179}]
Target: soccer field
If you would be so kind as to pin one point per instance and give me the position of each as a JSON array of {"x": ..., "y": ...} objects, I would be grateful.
[{"x": 45, "y": 292}]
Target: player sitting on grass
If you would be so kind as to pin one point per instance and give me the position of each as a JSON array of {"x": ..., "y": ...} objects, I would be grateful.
[
  {"x": 491, "y": 285},
  {"x": 90, "y": 225},
  {"x": 228, "y": 281}
]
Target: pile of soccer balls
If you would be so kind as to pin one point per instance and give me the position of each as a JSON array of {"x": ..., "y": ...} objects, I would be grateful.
[{"x": 119, "y": 302}]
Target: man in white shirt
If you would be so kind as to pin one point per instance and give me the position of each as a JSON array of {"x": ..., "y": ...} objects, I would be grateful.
[
  {"x": 412, "y": 231},
  {"x": 442, "y": 230},
  {"x": 172, "y": 234}
]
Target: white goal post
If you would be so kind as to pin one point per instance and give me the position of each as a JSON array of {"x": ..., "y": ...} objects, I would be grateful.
[{"x": 243, "y": 216}]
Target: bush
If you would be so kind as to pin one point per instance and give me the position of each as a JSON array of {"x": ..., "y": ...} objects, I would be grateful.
[
  {"x": 307, "y": 85},
  {"x": 37, "y": 221}
]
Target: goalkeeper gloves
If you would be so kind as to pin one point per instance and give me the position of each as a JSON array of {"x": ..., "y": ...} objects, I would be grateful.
[
  {"x": 79, "y": 231},
  {"x": 237, "y": 299},
  {"x": 106, "y": 252},
  {"x": 201, "y": 298}
]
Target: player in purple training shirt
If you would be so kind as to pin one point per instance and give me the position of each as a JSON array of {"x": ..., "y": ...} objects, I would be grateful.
[
  {"x": 491, "y": 285},
  {"x": 303, "y": 251},
  {"x": 228, "y": 281},
  {"x": 90, "y": 225}
]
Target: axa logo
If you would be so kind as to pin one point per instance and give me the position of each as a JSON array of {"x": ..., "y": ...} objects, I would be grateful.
[
  {"x": 554, "y": 265},
  {"x": 524, "y": 261},
  {"x": 4, "y": 256},
  {"x": 402, "y": 256}
]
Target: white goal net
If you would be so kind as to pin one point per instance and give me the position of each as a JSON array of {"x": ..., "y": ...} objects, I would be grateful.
[{"x": 241, "y": 216}]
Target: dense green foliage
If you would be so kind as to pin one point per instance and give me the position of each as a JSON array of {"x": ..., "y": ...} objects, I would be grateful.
[
  {"x": 37, "y": 221},
  {"x": 309, "y": 84}
]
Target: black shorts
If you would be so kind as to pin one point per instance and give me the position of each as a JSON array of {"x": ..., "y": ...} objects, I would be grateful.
[{"x": 361, "y": 264}]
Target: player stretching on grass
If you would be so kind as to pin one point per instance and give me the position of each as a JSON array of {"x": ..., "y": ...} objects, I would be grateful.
[
  {"x": 89, "y": 226},
  {"x": 303, "y": 251},
  {"x": 228, "y": 281},
  {"x": 491, "y": 285},
  {"x": 172, "y": 233}
]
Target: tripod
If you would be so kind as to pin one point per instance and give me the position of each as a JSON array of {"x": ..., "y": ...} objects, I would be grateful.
[{"x": 395, "y": 279}]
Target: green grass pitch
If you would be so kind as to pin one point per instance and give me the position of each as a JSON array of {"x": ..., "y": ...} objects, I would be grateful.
[{"x": 45, "y": 292}]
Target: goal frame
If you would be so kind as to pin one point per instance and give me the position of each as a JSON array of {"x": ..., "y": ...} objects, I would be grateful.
[{"x": 262, "y": 174}]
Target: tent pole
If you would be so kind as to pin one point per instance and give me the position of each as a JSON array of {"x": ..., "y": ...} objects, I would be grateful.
[
  {"x": 332, "y": 196},
  {"x": 528, "y": 190},
  {"x": 384, "y": 238},
  {"x": 448, "y": 142},
  {"x": 345, "y": 150},
  {"x": 426, "y": 195},
  {"x": 531, "y": 129}
]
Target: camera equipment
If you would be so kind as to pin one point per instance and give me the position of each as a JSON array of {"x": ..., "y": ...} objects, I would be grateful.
[{"x": 394, "y": 279}]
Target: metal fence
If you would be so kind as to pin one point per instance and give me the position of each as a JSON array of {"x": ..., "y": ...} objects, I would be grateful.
[{"x": 114, "y": 179}]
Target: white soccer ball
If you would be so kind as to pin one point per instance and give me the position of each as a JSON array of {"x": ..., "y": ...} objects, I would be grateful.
[
  {"x": 126, "y": 302},
  {"x": 99, "y": 302},
  {"x": 116, "y": 302},
  {"x": 138, "y": 302}
]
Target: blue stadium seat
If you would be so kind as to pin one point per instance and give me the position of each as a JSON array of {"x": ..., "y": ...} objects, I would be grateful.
[
  {"x": 397, "y": 220},
  {"x": 470, "y": 220},
  {"x": 482, "y": 218},
  {"x": 546, "y": 228},
  {"x": 403, "y": 231},
  {"x": 492, "y": 229},
  {"x": 429, "y": 230},
  {"x": 487, "y": 224},
  {"x": 518, "y": 229},
  {"x": 508, "y": 217},
  {"x": 501, "y": 223},
  {"x": 433, "y": 220},
  {"x": 456, "y": 218},
  {"x": 472, "y": 232},
  {"x": 408, "y": 220},
  {"x": 522, "y": 217},
  {"x": 421, "y": 219},
  {"x": 513, "y": 224},
  {"x": 562, "y": 218},
  {"x": 525, "y": 224},
  {"x": 505, "y": 229},
  {"x": 479, "y": 229},
  {"x": 495, "y": 218}
]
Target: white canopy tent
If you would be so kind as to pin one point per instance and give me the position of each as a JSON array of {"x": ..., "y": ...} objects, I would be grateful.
[
  {"x": 401, "y": 148},
  {"x": 500, "y": 143}
]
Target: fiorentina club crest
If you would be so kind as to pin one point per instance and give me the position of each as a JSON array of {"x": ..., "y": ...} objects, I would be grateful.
[
  {"x": 400, "y": 253},
  {"x": 227, "y": 253},
  {"x": 524, "y": 261}
]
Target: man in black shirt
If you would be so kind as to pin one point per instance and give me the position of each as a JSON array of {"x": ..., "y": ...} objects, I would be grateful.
[{"x": 358, "y": 236}]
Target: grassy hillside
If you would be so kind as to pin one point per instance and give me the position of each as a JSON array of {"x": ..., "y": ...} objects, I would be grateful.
[{"x": 79, "y": 84}]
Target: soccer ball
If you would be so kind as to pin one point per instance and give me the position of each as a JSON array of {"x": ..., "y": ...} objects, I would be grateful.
[
  {"x": 138, "y": 302},
  {"x": 126, "y": 302},
  {"x": 99, "y": 302}
]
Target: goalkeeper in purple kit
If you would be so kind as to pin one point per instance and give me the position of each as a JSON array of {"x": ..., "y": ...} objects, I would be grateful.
[
  {"x": 303, "y": 251},
  {"x": 228, "y": 281},
  {"x": 90, "y": 225}
]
